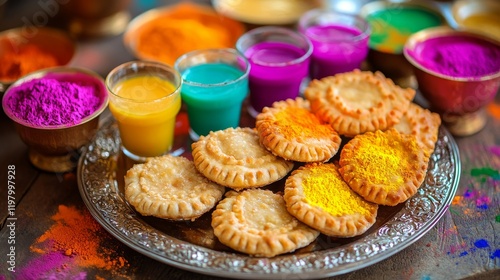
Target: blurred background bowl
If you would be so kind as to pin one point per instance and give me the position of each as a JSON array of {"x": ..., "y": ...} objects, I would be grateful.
[
  {"x": 174, "y": 30},
  {"x": 391, "y": 25},
  {"x": 19, "y": 48},
  {"x": 95, "y": 18},
  {"x": 460, "y": 101},
  {"x": 265, "y": 12},
  {"x": 56, "y": 148},
  {"x": 479, "y": 16}
]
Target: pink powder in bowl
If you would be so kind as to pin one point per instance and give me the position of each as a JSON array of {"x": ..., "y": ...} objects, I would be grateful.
[
  {"x": 56, "y": 99},
  {"x": 458, "y": 56}
]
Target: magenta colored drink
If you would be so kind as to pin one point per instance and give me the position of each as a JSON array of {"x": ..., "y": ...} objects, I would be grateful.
[
  {"x": 273, "y": 75},
  {"x": 337, "y": 49}
]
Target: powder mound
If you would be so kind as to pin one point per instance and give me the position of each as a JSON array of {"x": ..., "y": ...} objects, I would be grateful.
[
  {"x": 453, "y": 62},
  {"x": 50, "y": 102},
  {"x": 460, "y": 57}
]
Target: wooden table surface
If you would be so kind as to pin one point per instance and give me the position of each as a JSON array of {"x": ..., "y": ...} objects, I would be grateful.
[{"x": 464, "y": 244}]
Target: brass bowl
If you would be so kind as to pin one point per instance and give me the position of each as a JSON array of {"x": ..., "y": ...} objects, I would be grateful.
[
  {"x": 460, "y": 101},
  {"x": 56, "y": 148},
  {"x": 393, "y": 64},
  {"x": 463, "y": 12},
  {"x": 132, "y": 35},
  {"x": 49, "y": 40}
]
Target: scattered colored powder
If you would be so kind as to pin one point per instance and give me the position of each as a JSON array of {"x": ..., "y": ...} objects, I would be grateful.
[
  {"x": 24, "y": 60},
  {"x": 75, "y": 239},
  {"x": 495, "y": 254},
  {"x": 483, "y": 202},
  {"x": 497, "y": 218},
  {"x": 457, "y": 200},
  {"x": 468, "y": 194},
  {"x": 481, "y": 243},
  {"x": 52, "y": 263},
  {"x": 464, "y": 253},
  {"x": 485, "y": 171},
  {"x": 495, "y": 150},
  {"x": 494, "y": 110},
  {"x": 458, "y": 56},
  {"x": 51, "y": 102}
]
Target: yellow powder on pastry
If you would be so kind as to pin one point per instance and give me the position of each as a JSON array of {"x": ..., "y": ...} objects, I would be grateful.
[
  {"x": 383, "y": 160},
  {"x": 296, "y": 122},
  {"x": 325, "y": 188}
]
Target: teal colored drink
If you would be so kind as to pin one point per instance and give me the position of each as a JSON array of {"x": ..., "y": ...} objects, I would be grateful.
[{"x": 214, "y": 94}]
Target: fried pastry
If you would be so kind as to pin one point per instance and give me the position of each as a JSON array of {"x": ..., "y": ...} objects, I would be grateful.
[
  {"x": 234, "y": 158},
  {"x": 358, "y": 101},
  {"x": 290, "y": 130},
  {"x": 317, "y": 195},
  {"x": 256, "y": 222},
  {"x": 421, "y": 123},
  {"x": 171, "y": 188},
  {"x": 386, "y": 168}
]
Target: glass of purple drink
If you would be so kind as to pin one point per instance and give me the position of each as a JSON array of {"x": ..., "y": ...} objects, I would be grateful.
[
  {"x": 279, "y": 59},
  {"x": 340, "y": 41}
]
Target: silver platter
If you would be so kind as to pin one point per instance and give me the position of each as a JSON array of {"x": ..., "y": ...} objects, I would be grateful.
[{"x": 192, "y": 246}]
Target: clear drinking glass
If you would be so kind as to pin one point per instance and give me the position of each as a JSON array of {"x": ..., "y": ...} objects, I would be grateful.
[
  {"x": 144, "y": 98},
  {"x": 215, "y": 84}
]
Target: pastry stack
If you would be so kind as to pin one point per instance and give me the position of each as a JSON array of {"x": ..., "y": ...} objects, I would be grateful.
[{"x": 353, "y": 142}]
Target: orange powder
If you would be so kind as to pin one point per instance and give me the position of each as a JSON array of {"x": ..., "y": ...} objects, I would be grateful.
[
  {"x": 296, "y": 122},
  {"x": 186, "y": 27},
  {"x": 29, "y": 58},
  {"x": 494, "y": 110},
  {"x": 77, "y": 235}
]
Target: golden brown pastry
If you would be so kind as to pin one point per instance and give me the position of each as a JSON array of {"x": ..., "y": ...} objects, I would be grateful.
[
  {"x": 357, "y": 102},
  {"x": 256, "y": 222},
  {"x": 421, "y": 123},
  {"x": 386, "y": 168},
  {"x": 234, "y": 158},
  {"x": 317, "y": 195},
  {"x": 290, "y": 130},
  {"x": 171, "y": 188}
]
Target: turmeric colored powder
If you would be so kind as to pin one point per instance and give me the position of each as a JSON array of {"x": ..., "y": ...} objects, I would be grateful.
[
  {"x": 384, "y": 160},
  {"x": 325, "y": 188},
  {"x": 186, "y": 27},
  {"x": 29, "y": 58},
  {"x": 297, "y": 122}
]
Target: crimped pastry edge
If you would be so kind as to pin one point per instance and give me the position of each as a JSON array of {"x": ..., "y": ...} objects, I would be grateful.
[
  {"x": 317, "y": 218},
  {"x": 237, "y": 178},
  {"x": 376, "y": 194},
  {"x": 348, "y": 124},
  {"x": 165, "y": 209},
  {"x": 232, "y": 234},
  {"x": 302, "y": 151}
]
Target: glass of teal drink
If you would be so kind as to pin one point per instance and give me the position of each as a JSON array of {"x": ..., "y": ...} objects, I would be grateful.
[
  {"x": 279, "y": 59},
  {"x": 215, "y": 83}
]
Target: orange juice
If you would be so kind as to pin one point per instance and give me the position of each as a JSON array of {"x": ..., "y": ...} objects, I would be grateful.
[{"x": 145, "y": 108}]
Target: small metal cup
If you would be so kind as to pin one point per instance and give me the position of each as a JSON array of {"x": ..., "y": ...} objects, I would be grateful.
[{"x": 460, "y": 101}]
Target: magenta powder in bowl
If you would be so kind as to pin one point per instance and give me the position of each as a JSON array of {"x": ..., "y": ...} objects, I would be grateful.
[
  {"x": 458, "y": 73},
  {"x": 458, "y": 56},
  {"x": 56, "y": 112},
  {"x": 56, "y": 99}
]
